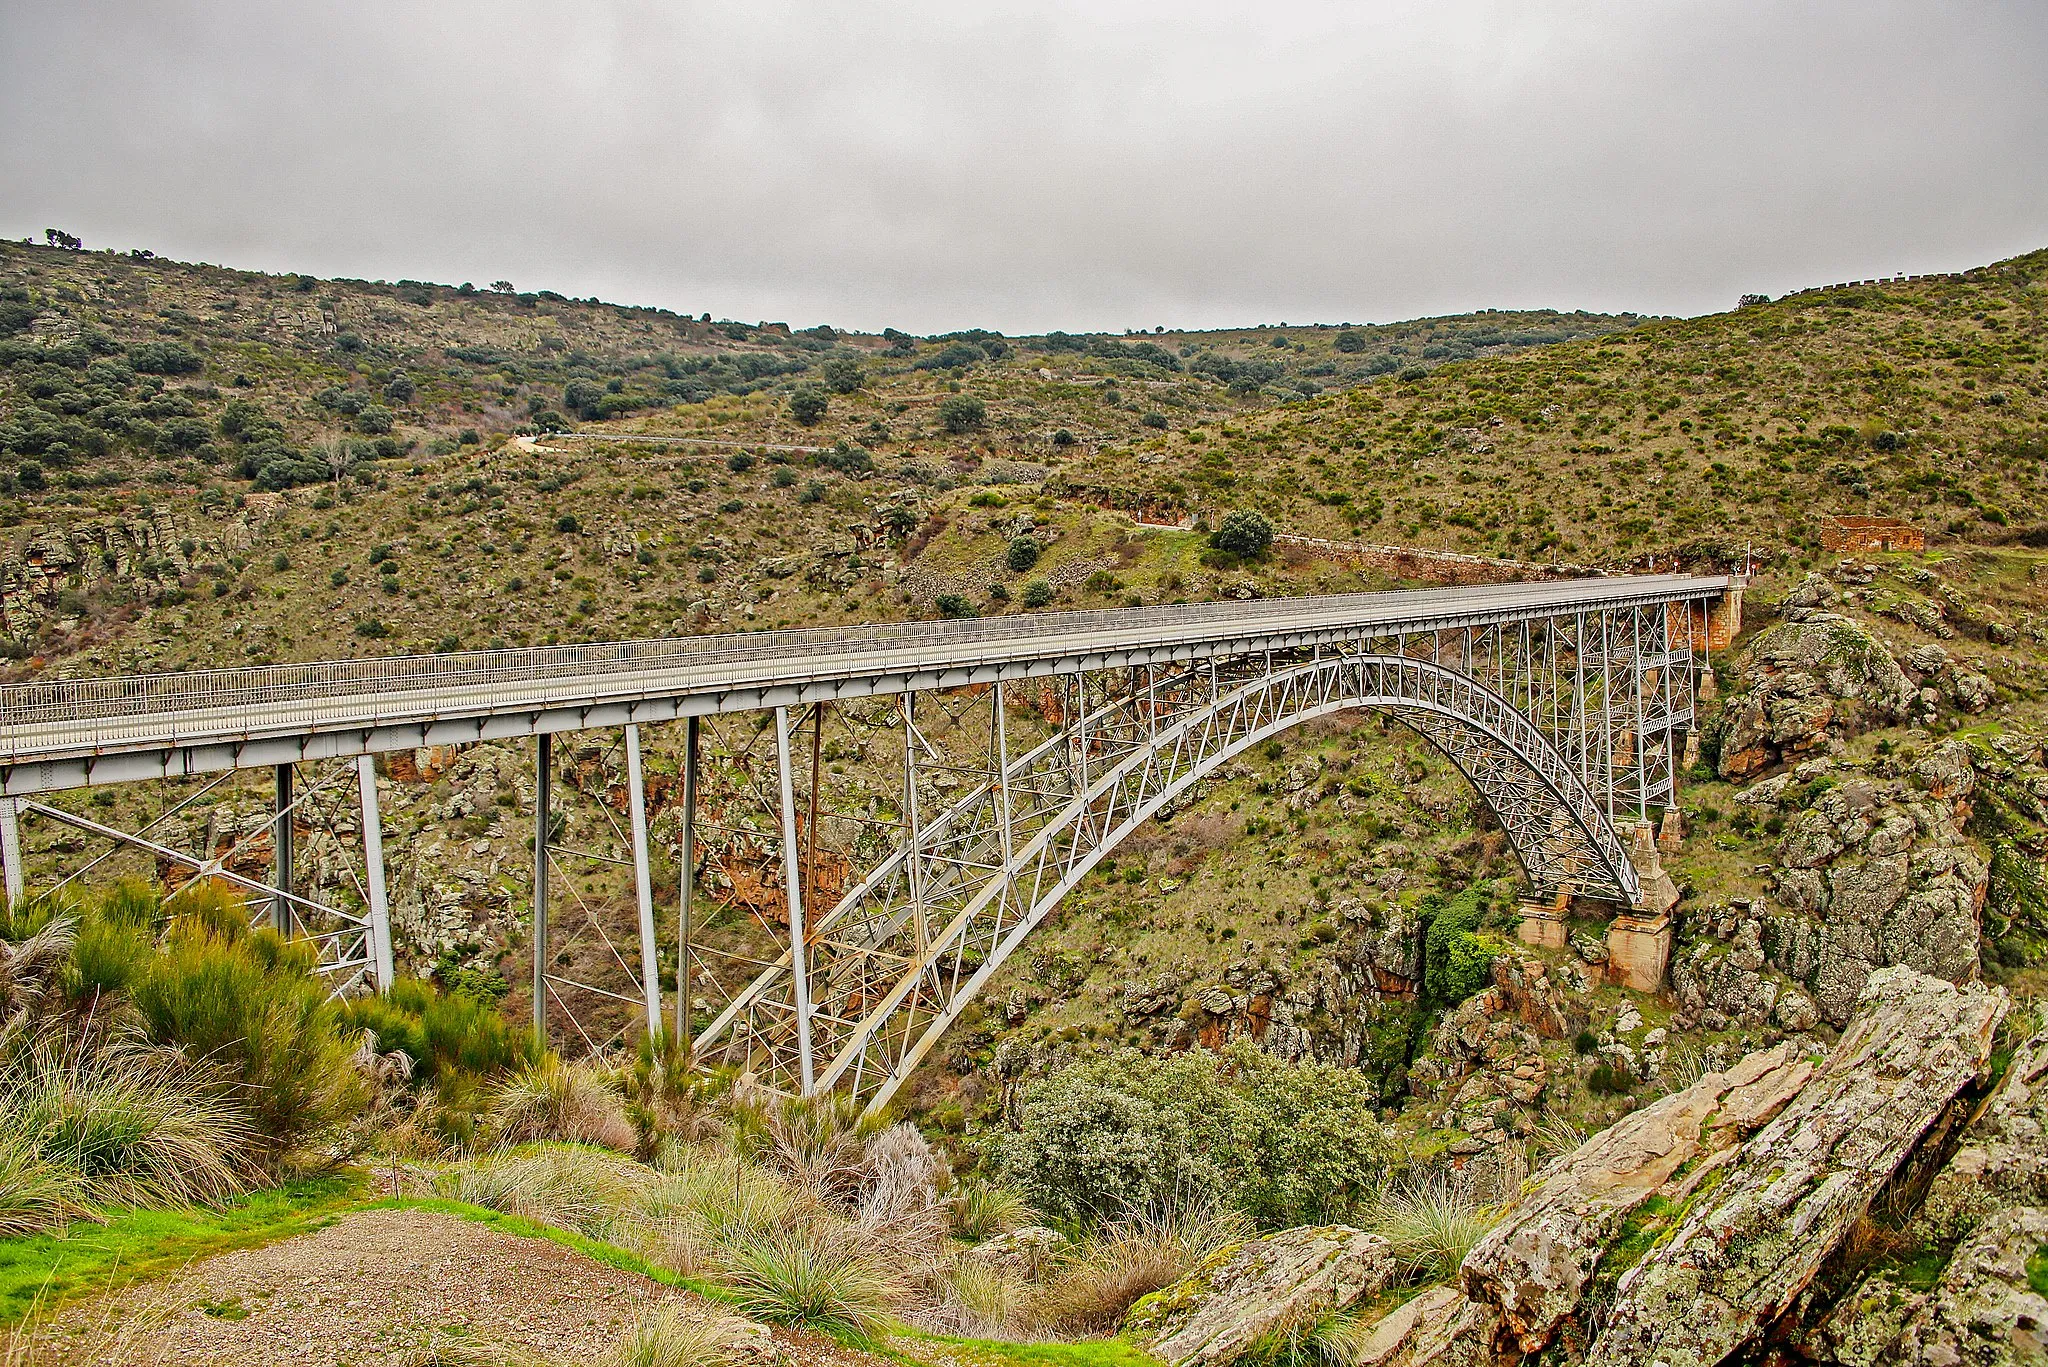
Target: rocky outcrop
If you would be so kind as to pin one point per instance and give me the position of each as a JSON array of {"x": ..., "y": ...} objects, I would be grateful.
[
  {"x": 1744, "y": 1251},
  {"x": 1812, "y": 678},
  {"x": 1485, "y": 1065},
  {"x": 1536, "y": 1269},
  {"x": 1876, "y": 872},
  {"x": 1683, "y": 1233},
  {"x": 1272, "y": 1285}
]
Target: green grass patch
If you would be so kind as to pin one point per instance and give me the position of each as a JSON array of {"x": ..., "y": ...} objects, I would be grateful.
[
  {"x": 86, "y": 1257},
  {"x": 1088, "y": 1353}
]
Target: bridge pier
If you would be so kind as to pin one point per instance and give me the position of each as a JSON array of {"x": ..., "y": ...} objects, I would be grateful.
[{"x": 10, "y": 849}]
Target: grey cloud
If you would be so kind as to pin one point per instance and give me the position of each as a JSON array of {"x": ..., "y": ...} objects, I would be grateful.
[{"x": 1030, "y": 166}]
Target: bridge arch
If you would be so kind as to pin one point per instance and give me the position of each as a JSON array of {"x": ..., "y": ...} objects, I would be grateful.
[{"x": 895, "y": 962}]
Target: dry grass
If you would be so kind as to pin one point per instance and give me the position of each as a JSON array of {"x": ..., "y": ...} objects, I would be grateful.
[
  {"x": 1091, "y": 1289},
  {"x": 1432, "y": 1220},
  {"x": 580, "y": 1191},
  {"x": 123, "y": 1125},
  {"x": 667, "y": 1337},
  {"x": 571, "y": 1102}
]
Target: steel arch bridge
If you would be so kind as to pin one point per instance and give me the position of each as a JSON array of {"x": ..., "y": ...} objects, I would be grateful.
[{"x": 837, "y": 920}]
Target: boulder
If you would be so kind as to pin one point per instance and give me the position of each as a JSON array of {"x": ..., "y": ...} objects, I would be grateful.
[
  {"x": 1440, "y": 1327},
  {"x": 1742, "y": 1252},
  {"x": 1534, "y": 1270},
  {"x": 1806, "y": 679},
  {"x": 1242, "y": 1293},
  {"x": 1025, "y": 1252}
]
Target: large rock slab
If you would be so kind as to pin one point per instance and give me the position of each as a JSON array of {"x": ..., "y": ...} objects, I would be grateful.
[
  {"x": 1535, "y": 1268},
  {"x": 1274, "y": 1284},
  {"x": 1753, "y": 1239},
  {"x": 1983, "y": 1311}
]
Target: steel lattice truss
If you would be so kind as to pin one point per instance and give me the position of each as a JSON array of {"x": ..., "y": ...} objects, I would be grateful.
[
  {"x": 1559, "y": 723},
  {"x": 837, "y": 910}
]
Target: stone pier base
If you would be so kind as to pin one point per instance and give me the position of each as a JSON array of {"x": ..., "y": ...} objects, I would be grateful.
[
  {"x": 1543, "y": 926},
  {"x": 1638, "y": 949}
]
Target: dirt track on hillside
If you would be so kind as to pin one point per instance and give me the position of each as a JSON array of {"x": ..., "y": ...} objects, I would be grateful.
[{"x": 373, "y": 1286}]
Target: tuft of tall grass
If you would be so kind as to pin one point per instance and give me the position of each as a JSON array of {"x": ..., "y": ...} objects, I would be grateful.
[
  {"x": 575, "y": 1190},
  {"x": 813, "y": 1275},
  {"x": 1130, "y": 1258},
  {"x": 983, "y": 1210},
  {"x": 976, "y": 1300},
  {"x": 124, "y": 1125},
  {"x": 670, "y": 1337},
  {"x": 1432, "y": 1221},
  {"x": 1329, "y": 1338},
  {"x": 820, "y": 1141},
  {"x": 30, "y": 967},
  {"x": 572, "y": 1102},
  {"x": 35, "y": 1194}
]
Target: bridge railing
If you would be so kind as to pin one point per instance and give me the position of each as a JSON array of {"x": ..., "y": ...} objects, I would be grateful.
[{"x": 37, "y": 702}]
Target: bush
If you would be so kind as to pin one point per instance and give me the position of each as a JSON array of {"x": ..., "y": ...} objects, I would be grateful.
[
  {"x": 1022, "y": 554},
  {"x": 962, "y": 413},
  {"x": 442, "y": 1033},
  {"x": 1243, "y": 533},
  {"x": 248, "y": 1002},
  {"x": 739, "y": 462},
  {"x": 162, "y": 358},
  {"x": 841, "y": 374},
  {"x": 1349, "y": 341},
  {"x": 1063, "y": 438},
  {"x": 808, "y": 404},
  {"x": 1289, "y": 1141},
  {"x": 1608, "y": 1080},
  {"x": 1037, "y": 594},
  {"x": 954, "y": 605},
  {"x": 1154, "y": 420},
  {"x": 1457, "y": 959}
]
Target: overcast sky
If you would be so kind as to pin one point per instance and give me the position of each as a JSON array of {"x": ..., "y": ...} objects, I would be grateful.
[{"x": 1091, "y": 165}]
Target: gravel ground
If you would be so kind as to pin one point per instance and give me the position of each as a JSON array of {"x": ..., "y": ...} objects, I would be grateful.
[{"x": 375, "y": 1284}]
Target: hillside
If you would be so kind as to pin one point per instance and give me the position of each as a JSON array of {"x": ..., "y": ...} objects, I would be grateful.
[
  {"x": 1693, "y": 439},
  {"x": 206, "y": 467},
  {"x": 1920, "y": 399}
]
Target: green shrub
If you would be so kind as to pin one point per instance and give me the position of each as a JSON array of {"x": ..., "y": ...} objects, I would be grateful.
[
  {"x": 1457, "y": 959},
  {"x": 1022, "y": 554},
  {"x": 1289, "y": 1141},
  {"x": 808, "y": 404},
  {"x": 1037, "y": 594},
  {"x": 251, "y": 1005},
  {"x": 442, "y": 1033},
  {"x": 1608, "y": 1080},
  {"x": 954, "y": 605},
  {"x": 962, "y": 413},
  {"x": 1243, "y": 533}
]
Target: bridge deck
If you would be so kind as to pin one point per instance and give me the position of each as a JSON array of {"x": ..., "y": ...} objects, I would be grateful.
[{"x": 66, "y": 733}]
